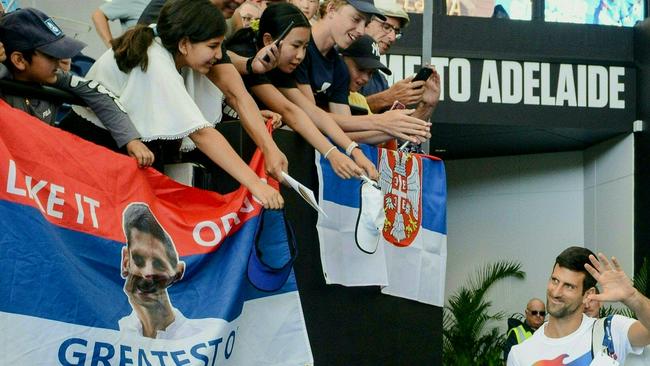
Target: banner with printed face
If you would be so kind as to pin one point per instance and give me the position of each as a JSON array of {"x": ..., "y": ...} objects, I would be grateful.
[
  {"x": 407, "y": 253},
  {"x": 107, "y": 264}
]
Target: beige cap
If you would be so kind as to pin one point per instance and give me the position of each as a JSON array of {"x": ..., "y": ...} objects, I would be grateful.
[{"x": 390, "y": 8}]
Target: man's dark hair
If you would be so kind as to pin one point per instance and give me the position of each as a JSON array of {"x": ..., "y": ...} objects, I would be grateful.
[
  {"x": 574, "y": 259},
  {"x": 139, "y": 216}
]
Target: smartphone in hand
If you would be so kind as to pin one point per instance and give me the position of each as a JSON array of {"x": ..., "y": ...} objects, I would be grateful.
[
  {"x": 277, "y": 41},
  {"x": 423, "y": 74}
]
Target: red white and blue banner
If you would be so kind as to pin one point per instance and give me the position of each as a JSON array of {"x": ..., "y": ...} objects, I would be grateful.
[
  {"x": 72, "y": 292},
  {"x": 411, "y": 255}
]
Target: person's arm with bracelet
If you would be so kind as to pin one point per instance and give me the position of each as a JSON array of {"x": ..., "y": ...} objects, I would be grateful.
[
  {"x": 310, "y": 129},
  {"x": 329, "y": 127},
  {"x": 397, "y": 123},
  {"x": 256, "y": 64}
]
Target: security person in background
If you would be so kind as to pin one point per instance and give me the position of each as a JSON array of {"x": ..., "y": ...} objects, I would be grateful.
[{"x": 535, "y": 313}]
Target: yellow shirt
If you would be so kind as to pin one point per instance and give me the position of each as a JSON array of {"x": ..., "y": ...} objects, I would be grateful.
[{"x": 358, "y": 100}]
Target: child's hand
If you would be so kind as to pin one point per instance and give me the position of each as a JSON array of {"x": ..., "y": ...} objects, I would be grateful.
[{"x": 140, "y": 152}]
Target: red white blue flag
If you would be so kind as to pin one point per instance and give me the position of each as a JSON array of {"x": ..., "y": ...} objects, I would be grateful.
[
  {"x": 104, "y": 263},
  {"x": 409, "y": 258}
]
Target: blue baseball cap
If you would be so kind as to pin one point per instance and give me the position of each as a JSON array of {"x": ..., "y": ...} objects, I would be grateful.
[
  {"x": 365, "y": 53},
  {"x": 368, "y": 7},
  {"x": 30, "y": 29},
  {"x": 273, "y": 253}
]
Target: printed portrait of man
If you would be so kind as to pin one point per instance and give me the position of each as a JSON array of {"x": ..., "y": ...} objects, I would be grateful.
[{"x": 150, "y": 265}]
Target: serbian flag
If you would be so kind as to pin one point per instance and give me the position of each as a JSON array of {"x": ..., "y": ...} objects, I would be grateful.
[
  {"x": 409, "y": 255},
  {"x": 107, "y": 264}
]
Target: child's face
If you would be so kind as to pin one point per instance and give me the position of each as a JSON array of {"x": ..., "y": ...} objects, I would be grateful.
[
  {"x": 201, "y": 56},
  {"x": 358, "y": 77},
  {"x": 293, "y": 49},
  {"x": 41, "y": 70}
]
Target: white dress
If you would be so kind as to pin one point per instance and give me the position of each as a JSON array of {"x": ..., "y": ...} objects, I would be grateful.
[{"x": 162, "y": 103}]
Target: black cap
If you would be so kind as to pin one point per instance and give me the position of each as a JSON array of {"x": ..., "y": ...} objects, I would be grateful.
[
  {"x": 368, "y": 7},
  {"x": 30, "y": 29},
  {"x": 365, "y": 53}
]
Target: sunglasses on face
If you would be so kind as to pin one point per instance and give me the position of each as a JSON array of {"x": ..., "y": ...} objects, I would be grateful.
[{"x": 535, "y": 312}]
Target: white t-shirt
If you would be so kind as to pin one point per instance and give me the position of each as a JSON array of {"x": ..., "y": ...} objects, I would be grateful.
[
  {"x": 574, "y": 349},
  {"x": 181, "y": 328},
  {"x": 161, "y": 102}
]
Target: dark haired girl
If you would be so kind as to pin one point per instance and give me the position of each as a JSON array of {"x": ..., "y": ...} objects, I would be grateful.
[
  {"x": 158, "y": 73},
  {"x": 291, "y": 51}
]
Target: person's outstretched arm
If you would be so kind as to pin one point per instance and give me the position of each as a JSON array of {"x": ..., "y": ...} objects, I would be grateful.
[
  {"x": 101, "y": 26},
  {"x": 228, "y": 80},
  {"x": 110, "y": 112},
  {"x": 212, "y": 143}
]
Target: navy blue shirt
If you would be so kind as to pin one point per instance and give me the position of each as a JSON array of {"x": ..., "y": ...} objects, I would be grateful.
[{"x": 328, "y": 76}]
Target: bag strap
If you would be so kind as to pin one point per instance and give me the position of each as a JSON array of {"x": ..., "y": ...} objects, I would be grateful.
[{"x": 601, "y": 336}]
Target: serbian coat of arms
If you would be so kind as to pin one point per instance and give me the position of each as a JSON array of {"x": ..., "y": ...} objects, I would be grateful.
[{"x": 400, "y": 177}]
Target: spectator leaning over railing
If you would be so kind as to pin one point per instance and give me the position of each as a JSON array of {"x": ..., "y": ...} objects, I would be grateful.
[
  {"x": 323, "y": 77},
  {"x": 227, "y": 79},
  {"x": 34, "y": 47},
  {"x": 158, "y": 73},
  {"x": 380, "y": 97},
  {"x": 290, "y": 53}
]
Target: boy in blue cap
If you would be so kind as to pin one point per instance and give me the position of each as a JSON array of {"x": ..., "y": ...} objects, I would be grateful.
[{"x": 34, "y": 45}]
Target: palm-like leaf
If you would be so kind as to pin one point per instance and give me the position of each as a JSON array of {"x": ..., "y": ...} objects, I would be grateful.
[{"x": 466, "y": 337}]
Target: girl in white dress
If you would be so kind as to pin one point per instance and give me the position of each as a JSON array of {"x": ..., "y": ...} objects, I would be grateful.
[{"x": 158, "y": 74}]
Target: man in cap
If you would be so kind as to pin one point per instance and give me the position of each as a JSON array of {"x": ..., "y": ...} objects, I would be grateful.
[
  {"x": 34, "y": 46},
  {"x": 422, "y": 94},
  {"x": 362, "y": 60}
]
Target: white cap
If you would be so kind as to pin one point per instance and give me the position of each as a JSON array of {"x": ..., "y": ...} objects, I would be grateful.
[
  {"x": 390, "y": 8},
  {"x": 370, "y": 221}
]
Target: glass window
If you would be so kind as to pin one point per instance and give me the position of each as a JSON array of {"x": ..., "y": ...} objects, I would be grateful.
[
  {"x": 508, "y": 9},
  {"x": 604, "y": 12},
  {"x": 412, "y": 6}
]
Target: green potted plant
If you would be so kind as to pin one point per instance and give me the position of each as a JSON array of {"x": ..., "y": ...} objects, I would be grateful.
[{"x": 469, "y": 334}]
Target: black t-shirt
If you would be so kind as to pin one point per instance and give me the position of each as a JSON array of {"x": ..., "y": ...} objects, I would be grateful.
[
  {"x": 328, "y": 76},
  {"x": 150, "y": 13},
  {"x": 243, "y": 44}
]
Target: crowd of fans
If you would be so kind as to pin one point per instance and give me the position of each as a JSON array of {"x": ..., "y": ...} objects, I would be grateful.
[{"x": 182, "y": 66}]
